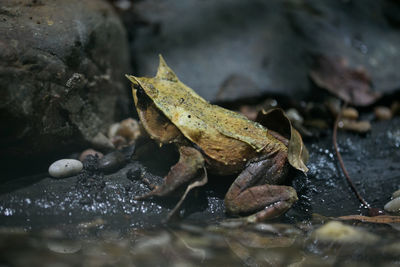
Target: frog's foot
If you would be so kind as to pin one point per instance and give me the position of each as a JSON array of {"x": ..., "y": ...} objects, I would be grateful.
[
  {"x": 250, "y": 192},
  {"x": 189, "y": 170}
]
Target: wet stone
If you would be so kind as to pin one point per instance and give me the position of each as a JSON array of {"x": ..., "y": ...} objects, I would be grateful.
[
  {"x": 350, "y": 113},
  {"x": 334, "y": 231},
  {"x": 129, "y": 129},
  {"x": 65, "y": 168},
  {"x": 128, "y": 151},
  {"x": 396, "y": 194},
  {"x": 355, "y": 126},
  {"x": 383, "y": 113},
  {"x": 112, "y": 130},
  {"x": 112, "y": 162},
  {"x": 100, "y": 141},
  {"x": 393, "y": 205},
  {"x": 294, "y": 116},
  {"x": 64, "y": 246},
  {"x": 118, "y": 141}
]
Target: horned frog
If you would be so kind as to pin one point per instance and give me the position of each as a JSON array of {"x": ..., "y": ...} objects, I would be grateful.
[{"x": 211, "y": 138}]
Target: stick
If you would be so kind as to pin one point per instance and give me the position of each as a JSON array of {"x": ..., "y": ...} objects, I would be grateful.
[{"x": 339, "y": 156}]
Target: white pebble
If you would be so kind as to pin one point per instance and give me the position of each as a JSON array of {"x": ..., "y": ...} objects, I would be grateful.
[
  {"x": 396, "y": 194},
  {"x": 393, "y": 205},
  {"x": 65, "y": 167},
  {"x": 334, "y": 231},
  {"x": 64, "y": 247}
]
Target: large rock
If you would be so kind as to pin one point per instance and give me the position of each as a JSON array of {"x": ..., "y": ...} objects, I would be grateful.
[
  {"x": 61, "y": 75},
  {"x": 269, "y": 44}
]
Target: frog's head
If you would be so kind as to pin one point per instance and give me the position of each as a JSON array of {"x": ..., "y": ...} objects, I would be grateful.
[
  {"x": 145, "y": 93},
  {"x": 151, "y": 86}
]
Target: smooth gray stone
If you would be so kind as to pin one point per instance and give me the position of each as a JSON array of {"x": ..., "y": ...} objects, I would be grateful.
[{"x": 65, "y": 168}]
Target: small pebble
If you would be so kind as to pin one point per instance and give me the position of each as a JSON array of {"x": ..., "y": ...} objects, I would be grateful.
[
  {"x": 65, "y": 168},
  {"x": 335, "y": 231},
  {"x": 100, "y": 141},
  {"x": 294, "y": 116},
  {"x": 383, "y": 113},
  {"x": 88, "y": 152},
  {"x": 350, "y": 113},
  {"x": 355, "y": 126},
  {"x": 393, "y": 205},
  {"x": 112, "y": 130},
  {"x": 64, "y": 246},
  {"x": 129, "y": 129},
  {"x": 112, "y": 162},
  {"x": 396, "y": 194},
  {"x": 119, "y": 141}
]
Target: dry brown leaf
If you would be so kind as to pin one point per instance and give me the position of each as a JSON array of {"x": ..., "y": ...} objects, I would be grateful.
[
  {"x": 297, "y": 152},
  {"x": 376, "y": 219},
  {"x": 351, "y": 85},
  {"x": 276, "y": 120}
]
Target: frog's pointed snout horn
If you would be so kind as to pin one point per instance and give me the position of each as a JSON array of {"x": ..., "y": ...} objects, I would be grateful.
[
  {"x": 164, "y": 71},
  {"x": 131, "y": 78},
  {"x": 161, "y": 59}
]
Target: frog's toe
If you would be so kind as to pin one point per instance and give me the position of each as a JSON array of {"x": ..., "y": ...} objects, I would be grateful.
[
  {"x": 267, "y": 201},
  {"x": 272, "y": 211},
  {"x": 145, "y": 196}
]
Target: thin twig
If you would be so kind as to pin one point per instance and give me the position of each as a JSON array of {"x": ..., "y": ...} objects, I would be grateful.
[{"x": 339, "y": 156}]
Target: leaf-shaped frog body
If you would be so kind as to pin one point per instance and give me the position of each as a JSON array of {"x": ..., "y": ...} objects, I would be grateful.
[{"x": 228, "y": 142}]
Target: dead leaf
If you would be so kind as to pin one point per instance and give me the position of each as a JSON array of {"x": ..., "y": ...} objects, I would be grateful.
[
  {"x": 297, "y": 152},
  {"x": 351, "y": 85},
  {"x": 276, "y": 120}
]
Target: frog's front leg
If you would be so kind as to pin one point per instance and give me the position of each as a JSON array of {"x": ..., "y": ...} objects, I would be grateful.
[
  {"x": 254, "y": 190},
  {"x": 189, "y": 170}
]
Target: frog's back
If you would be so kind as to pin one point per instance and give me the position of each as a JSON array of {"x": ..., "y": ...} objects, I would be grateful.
[{"x": 223, "y": 135}]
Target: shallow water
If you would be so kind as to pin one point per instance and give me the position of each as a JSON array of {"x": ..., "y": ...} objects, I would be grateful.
[{"x": 225, "y": 243}]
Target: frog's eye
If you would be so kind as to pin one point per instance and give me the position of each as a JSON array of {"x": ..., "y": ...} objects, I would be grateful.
[
  {"x": 143, "y": 99},
  {"x": 140, "y": 93},
  {"x": 136, "y": 86}
]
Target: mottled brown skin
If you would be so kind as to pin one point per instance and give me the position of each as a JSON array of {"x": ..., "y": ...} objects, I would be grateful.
[{"x": 259, "y": 156}]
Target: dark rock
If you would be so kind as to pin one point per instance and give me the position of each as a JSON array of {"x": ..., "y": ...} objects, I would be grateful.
[
  {"x": 272, "y": 43},
  {"x": 237, "y": 87},
  {"x": 128, "y": 151},
  {"x": 112, "y": 162},
  {"x": 61, "y": 76}
]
